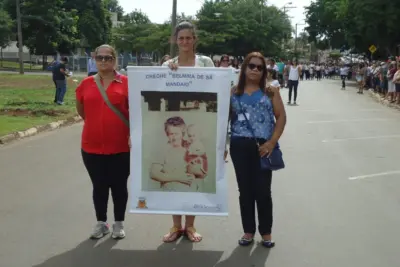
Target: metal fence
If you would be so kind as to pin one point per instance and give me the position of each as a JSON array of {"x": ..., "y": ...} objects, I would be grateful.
[{"x": 76, "y": 63}]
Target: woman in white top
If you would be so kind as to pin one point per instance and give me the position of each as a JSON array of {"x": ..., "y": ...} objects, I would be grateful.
[
  {"x": 294, "y": 75},
  {"x": 186, "y": 38}
]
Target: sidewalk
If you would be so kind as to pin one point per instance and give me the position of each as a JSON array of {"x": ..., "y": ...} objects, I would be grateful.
[{"x": 48, "y": 73}]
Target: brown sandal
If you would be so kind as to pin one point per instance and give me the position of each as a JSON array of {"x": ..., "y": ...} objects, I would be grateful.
[
  {"x": 174, "y": 234},
  {"x": 192, "y": 234}
]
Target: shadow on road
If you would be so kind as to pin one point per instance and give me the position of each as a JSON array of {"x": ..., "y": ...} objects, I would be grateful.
[
  {"x": 245, "y": 257},
  {"x": 90, "y": 253}
]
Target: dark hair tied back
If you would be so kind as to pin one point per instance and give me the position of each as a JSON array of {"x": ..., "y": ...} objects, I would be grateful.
[{"x": 184, "y": 25}]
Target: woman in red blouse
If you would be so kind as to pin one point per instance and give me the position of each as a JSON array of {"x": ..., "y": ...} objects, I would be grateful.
[{"x": 105, "y": 148}]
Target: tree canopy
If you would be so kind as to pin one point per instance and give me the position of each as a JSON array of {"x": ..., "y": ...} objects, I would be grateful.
[
  {"x": 6, "y": 25},
  {"x": 355, "y": 24},
  {"x": 233, "y": 27}
]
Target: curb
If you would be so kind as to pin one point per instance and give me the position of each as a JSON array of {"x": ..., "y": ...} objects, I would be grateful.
[
  {"x": 38, "y": 129},
  {"x": 382, "y": 101}
]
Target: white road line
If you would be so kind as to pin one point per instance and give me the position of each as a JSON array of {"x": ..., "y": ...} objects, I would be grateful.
[
  {"x": 373, "y": 175},
  {"x": 361, "y": 138},
  {"x": 342, "y": 111},
  {"x": 355, "y": 120}
]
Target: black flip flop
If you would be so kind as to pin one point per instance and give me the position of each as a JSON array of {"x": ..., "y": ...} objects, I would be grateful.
[
  {"x": 244, "y": 242},
  {"x": 268, "y": 243}
]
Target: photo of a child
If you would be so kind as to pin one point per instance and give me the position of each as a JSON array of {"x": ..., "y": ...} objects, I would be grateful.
[{"x": 180, "y": 159}]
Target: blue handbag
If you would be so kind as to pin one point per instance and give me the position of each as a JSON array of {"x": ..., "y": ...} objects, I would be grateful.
[{"x": 273, "y": 162}]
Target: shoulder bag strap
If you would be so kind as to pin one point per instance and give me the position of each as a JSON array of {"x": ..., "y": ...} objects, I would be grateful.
[
  {"x": 107, "y": 101},
  {"x": 248, "y": 123}
]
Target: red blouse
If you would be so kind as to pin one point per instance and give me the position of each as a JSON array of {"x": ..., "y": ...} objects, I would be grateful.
[{"x": 103, "y": 131}]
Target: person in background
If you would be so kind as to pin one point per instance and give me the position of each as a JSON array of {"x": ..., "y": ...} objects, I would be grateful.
[
  {"x": 59, "y": 75},
  {"x": 105, "y": 139},
  {"x": 53, "y": 72},
  {"x": 235, "y": 64},
  {"x": 281, "y": 68},
  {"x": 272, "y": 65},
  {"x": 272, "y": 78},
  {"x": 92, "y": 67},
  {"x": 391, "y": 85},
  {"x": 224, "y": 61},
  {"x": 396, "y": 81},
  {"x": 318, "y": 70},
  {"x": 294, "y": 76},
  {"x": 250, "y": 101},
  {"x": 360, "y": 78},
  {"x": 286, "y": 73},
  {"x": 186, "y": 38},
  {"x": 344, "y": 71}
]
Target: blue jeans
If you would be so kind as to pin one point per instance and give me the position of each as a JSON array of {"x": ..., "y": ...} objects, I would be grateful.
[{"x": 61, "y": 90}]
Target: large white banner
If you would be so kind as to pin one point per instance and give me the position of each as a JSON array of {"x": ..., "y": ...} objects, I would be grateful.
[{"x": 178, "y": 123}]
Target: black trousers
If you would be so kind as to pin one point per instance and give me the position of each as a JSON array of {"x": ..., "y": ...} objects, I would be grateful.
[
  {"x": 343, "y": 77},
  {"x": 293, "y": 87},
  {"x": 108, "y": 172},
  {"x": 55, "y": 96},
  {"x": 254, "y": 186},
  {"x": 319, "y": 75}
]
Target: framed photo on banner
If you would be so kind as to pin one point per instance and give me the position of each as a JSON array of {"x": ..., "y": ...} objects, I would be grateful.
[{"x": 178, "y": 124}]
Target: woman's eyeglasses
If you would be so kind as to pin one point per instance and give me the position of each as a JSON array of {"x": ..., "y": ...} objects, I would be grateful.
[
  {"x": 252, "y": 66},
  {"x": 104, "y": 58}
]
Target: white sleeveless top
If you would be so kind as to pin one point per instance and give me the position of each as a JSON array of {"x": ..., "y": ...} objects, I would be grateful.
[
  {"x": 294, "y": 73},
  {"x": 201, "y": 61}
]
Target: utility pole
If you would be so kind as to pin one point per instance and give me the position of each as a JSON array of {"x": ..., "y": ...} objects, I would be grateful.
[
  {"x": 295, "y": 42},
  {"x": 173, "y": 20},
  {"x": 20, "y": 44},
  {"x": 285, "y": 8},
  {"x": 295, "y": 39},
  {"x": 262, "y": 8}
]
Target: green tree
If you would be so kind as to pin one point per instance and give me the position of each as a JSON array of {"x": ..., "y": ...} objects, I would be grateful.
[
  {"x": 240, "y": 26},
  {"x": 355, "y": 23},
  {"x": 6, "y": 25},
  {"x": 113, "y": 6},
  {"x": 131, "y": 35},
  {"x": 46, "y": 26},
  {"x": 94, "y": 23}
]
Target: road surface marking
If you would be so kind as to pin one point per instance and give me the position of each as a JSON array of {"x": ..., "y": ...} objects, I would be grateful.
[
  {"x": 341, "y": 111},
  {"x": 361, "y": 138},
  {"x": 356, "y": 120},
  {"x": 373, "y": 175}
]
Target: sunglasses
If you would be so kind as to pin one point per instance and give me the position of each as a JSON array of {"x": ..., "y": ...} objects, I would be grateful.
[
  {"x": 252, "y": 66},
  {"x": 104, "y": 58}
]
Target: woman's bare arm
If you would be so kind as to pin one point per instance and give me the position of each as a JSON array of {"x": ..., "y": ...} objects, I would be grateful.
[
  {"x": 280, "y": 116},
  {"x": 80, "y": 110}
]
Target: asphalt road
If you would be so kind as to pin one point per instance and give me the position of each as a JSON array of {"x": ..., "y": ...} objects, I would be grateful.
[{"x": 336, "y": 204}]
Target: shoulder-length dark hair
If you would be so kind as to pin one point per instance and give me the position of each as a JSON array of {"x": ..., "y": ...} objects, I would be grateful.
[{"x": 242, "y": 78}]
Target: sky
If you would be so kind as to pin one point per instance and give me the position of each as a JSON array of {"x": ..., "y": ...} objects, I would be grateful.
[{"x": 160, "y": 10}]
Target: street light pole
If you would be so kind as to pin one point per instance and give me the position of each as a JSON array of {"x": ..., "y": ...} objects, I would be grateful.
[
  {"x": 295, "y": 39},
  {"x": 20, "y": 44},
  {"x": 173, "y": 25},
  {"x": 285, "y": 7}
]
